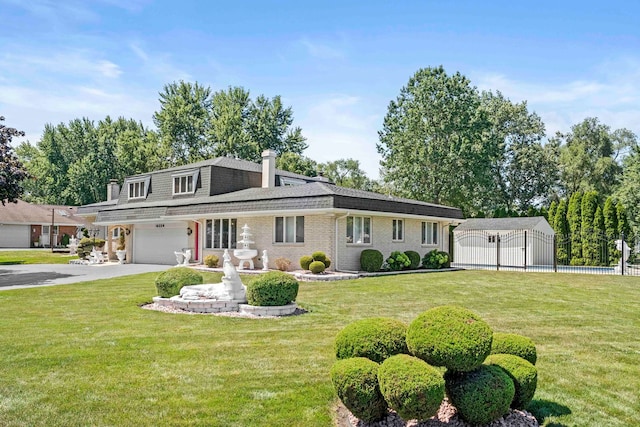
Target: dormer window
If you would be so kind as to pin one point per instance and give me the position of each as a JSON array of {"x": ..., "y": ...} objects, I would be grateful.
[
  {"x": 185, "y": 183},
  {"x": 138, "y": 188},
  {"x": 289, "y": 182}
]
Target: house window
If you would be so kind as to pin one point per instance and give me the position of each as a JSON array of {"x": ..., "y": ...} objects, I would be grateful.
[
  {"x": 115, "y": 233},
  {"x": 185, "y": 182},
  {"x": 137, "y": 190},
  {"x": 221, "y": 233},
  {"x": 289, "y": 229},
  {"x": 45, "y": 229},
  {"x": 429, "y": 233},
  {"x": 358, "y": 230},
  {"x": 398, "y": 230}
]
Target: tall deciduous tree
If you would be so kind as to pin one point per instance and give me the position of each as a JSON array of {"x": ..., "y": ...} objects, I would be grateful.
[
  {"x": 347, "y": 173},
  {"x": 629, "y": 191},
  {"x": 12, "y": 172},
  {"x": 297, "y": 163},
  {"x": 433, "y": 141}
]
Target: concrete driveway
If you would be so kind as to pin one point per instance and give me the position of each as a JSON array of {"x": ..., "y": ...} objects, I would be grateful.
[{"x": 30, "y": 275}]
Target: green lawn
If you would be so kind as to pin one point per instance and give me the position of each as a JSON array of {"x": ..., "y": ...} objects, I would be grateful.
[
  {"x": 86, "y": 354},
  {"x": 34, "y": 256}
]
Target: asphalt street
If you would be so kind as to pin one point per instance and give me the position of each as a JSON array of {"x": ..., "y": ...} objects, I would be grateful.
[{"x": 31, "y": 275}]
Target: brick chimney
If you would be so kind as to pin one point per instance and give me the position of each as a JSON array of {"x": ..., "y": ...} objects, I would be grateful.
[
  {"x": 268, "y": 169},
  {"x": 113, "y": 190}
]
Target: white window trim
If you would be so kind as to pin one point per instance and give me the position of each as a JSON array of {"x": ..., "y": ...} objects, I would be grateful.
[
  {"x": 284, "y": 230},
  {"x": 193, "y": 173},
  {"x": 436, "y": 226},
  {"x": 370, "y": 242},
  {"x": 145, "y": 181},
  {"x": 229, "y": 238},
  {"x": 393, "y": 237}
]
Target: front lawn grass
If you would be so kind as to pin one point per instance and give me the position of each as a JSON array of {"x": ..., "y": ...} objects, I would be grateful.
[
  {"x": 35, "y": 256},
  {"x": 86, "y": 354}
]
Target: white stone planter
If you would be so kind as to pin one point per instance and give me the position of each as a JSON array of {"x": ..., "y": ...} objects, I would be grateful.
[
  {"x": 278, "y": 310},
  {"x": 121, "y": 256}
]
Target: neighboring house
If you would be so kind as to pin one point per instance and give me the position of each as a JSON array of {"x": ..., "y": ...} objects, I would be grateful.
[
  {"x": 25, "y": 225},
  {"x": 203, "y": 206},
  {"x": 514, "y": 242}
]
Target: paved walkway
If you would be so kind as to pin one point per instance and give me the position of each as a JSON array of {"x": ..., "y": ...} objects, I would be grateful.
[{"x": 31, "y": 275}]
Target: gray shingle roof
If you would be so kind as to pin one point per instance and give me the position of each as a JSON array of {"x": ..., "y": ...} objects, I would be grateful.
[{"x": 522, "y": 223}]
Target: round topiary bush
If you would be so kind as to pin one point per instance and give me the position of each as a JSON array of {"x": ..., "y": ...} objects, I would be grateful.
[
  {"x": 377, "y": 339},
  {"x": 211, "y": 261},
  {"x": 411, "y": 387},
  {"x": 356, "y": 384},
  {"x": 317, "y": 267},
  {"x": 169, "y": 282},
  {"x": 523, "y": 374},
  {"x": 515, "y": 344},
  {"x": 414, "y": 257},
  {"x": 450, "y": 336},
  {"x": 305, "y": 260},
  {"x": 272, "y": 289},
  {"x": 327, "y": 263},
  {"x": 371, "y": 260},
  {"x": 482, "y": 395},
  {"x": 319, "y": 256}
]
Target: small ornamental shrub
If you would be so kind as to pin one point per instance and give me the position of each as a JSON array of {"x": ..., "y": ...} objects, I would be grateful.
[
  {"x": 317, "y": 267},
  {"x": 523, "y": 374},
  {"x": 414, "y": 257},
  {"x": 356, "y": 384},
  {"x": 64, "y": 241},
  {"x": 450, "y": 336},
  {"x": 305, "y": 260},
  {"x": 86, "y": 245},
  {"x": 272, "y": 289},
  {"x": 436, "y": 259},
  {"x": 169, "y": 282},
  {"x": 282, "y": 263},
  {"x": 375, "y": 338},
  {"x": 411, "y": 387},
  {"x": 398, "y": 261},
  {"x": 211, "y": 261},
  {"x": 371, "y": 260},
  {"x": 319, "y": 256},
  {"x": 482, "y": 395},
  {"x": 327, "y": 263},
  {"x": 515, "y": 344}
]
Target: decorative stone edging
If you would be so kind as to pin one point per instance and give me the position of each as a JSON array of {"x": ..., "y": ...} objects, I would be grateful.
[{"x": 278, "y": 310}]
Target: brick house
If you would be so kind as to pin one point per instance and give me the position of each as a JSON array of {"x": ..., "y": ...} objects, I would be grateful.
[{"x": 203, "y": 206}]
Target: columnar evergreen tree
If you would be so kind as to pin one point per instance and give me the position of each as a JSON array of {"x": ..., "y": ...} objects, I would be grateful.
[
  {"x": 562, "y": 233},
  {"x": 624, "y": 229},
  {"x": 551, "y": 214},
  {"x": 602, "y": 243},
  {"x": 574, "y": 217},
  {"x": 610, "y": 214},
  {"x": 590, "y": 237}
]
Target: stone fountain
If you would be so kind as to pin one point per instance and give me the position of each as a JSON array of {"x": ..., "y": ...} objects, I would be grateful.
[{"x": 245, "y": 254}]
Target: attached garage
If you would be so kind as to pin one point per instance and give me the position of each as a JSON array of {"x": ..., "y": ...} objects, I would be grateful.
[
  {"x": 156, "y": 243},
  {"x": 14, "y": 236}
]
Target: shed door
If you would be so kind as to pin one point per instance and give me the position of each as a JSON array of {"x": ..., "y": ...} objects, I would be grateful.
[
  {"x": 14, "y": 236},
  {"x": 156, "y": 243}
]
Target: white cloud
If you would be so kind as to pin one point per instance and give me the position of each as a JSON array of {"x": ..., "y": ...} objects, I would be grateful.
[
  {"x": 321, "y": 50},
  {"x": 159, "y": 65},
  {"x": 66, "y": 63}
]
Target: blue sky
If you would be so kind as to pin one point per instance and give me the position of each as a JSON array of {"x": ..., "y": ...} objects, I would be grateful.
[{"x": 337, "y": 63}]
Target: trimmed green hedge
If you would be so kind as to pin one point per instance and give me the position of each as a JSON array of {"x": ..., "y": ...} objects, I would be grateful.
[
  {"x": 482, "y": 395},
  {"x": 356, "y": 384},
  {"x": 414, "y": 257},
  {"x": 274, "y": 288},
  {"x": 371, "y": 260},
  {"x": 515, "y": 344},
  {"x": 450, "y": 336},
  {"x": 411, "y": 387},
  {"x": 376, "y": 338},
  {"x": 169, "y": 282},
  {"x": 523, "y": 374}
]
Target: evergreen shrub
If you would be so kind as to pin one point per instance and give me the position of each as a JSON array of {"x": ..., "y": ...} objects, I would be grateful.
[
  {"x": 523, "y": 374},
  {"x": 482, "y": 395},
  {"x": 450, "y": 336},
  {"x": 274, "y": 288},
  {"x": 319, "y": 256},
  {"x": 317, "y": 267},
  {"x": 356, "y": 384},
  {"x": 398, "y": 261},
  {"x": 371, "y": 260},
  {"x": 376, "y": 338},
  {"x": 211, "y": 261},
  {"x": 515, "y": 344},
  {"x": 414, "y": 257},
  {"x": 435, "y": 259},
  {"x": 411, "y": 387},
  {"x": 169, "y": 282},
  {"x": 305, "y": 260}
]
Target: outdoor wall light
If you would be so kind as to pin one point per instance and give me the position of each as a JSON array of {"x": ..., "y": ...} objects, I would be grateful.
[{"x": 189, "y": 231}]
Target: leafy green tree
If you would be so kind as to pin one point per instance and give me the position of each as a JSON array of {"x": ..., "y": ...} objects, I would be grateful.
[
  {"x": 433, "y": 142},
  {"x": 629, "y": 190},
  {"x": 590, "y": 237},
  {"x": 561, "y": 227},
  {"x": 12, "y": 172},
  {"x": 346, "y": 173},
  {"x": 183, "y": 121},
  {"x": 229, "y": 116},
  {"x": 574, "y": 217},
  {"x": 297, "y": 163}
]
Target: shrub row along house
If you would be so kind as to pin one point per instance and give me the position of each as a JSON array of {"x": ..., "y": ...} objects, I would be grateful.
[{"x": 201, "y": 207}]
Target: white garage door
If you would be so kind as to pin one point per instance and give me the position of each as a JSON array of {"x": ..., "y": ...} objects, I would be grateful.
[
  {"x": 14, "y": 236},
  {"x": 156, "y": 243}
]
